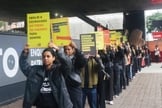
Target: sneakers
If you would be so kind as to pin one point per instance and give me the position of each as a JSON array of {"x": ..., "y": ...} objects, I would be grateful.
[
  {"x": 116, "y": 96},
  {"x": 109, "y": 102}
]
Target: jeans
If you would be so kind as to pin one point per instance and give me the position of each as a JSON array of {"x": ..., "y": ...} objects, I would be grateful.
[{"x": 91, "y": 94}]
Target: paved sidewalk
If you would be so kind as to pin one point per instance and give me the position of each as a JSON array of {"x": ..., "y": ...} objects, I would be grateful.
[{"x": 145, "y": 91}]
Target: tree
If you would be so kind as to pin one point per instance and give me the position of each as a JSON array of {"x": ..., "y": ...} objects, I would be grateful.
[{"x": 149, "y": 22}]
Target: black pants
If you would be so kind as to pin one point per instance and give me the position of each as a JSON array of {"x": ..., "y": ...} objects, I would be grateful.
[
  {"x": 109, "y": 85},
  {"x": 101, "y": 92},
  {"x": 75, "y": 96}
]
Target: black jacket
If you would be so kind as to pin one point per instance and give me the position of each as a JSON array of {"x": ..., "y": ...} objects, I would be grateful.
[
  {"x": 78, "y": 62},
  {"x": 35, "y": 75}
]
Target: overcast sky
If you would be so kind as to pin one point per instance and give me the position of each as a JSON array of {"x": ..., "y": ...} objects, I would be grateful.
[{"x": 150, "y": 12}]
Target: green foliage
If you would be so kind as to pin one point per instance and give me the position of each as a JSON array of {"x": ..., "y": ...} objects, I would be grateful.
[{"x": 149, "y": 19}]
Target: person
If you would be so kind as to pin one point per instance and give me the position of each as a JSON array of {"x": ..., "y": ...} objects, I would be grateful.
[
  {"x": 139, "y": 55},
  {"x": 45, "y": 85},
  {"x": 119, "y": 74},
  {"x": 108, "y": 58},
  {"x": 157, "y": 54},
  {"x": 147, "y": 55},
  {"x": 78, "y": 62},
  {"x": 127, "y": 56},
  {"x": 134, "y": 67},
  {"x": 89, "y": 75},
  {"x": 102, "y": 78}
]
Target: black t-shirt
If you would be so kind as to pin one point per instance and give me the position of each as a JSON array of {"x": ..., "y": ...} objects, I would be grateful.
[{"x": 46, "y": 98}]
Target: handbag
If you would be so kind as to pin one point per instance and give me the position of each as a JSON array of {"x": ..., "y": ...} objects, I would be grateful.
[
  {"x": 74, "y": 79},
  {"x": 74, "y": 76}
]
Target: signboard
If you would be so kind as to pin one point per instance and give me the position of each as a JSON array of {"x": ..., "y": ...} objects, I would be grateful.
[
  {"x": 38, "y": 27},
  {"x": 9, "y": 59},
  {"x": 88, "y": 43},
  {"x": 99, "y": 40},
  {"x": 60, "y": 31},
  {"x": 115, "y": 37},
  {"x": 125, "y": 39},
  {"x": 106, "y": 37},
  {"x": 157, "y": 35}
]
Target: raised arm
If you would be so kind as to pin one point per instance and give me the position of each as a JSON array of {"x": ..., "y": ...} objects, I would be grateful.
[
  {"x": 66, "y": 62},
  {"x": 23, "y": 61}
]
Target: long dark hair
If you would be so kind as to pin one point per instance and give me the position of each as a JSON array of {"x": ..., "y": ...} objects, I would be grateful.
[
  {"x": 54, "y": 54},
  {"x": 50, "y": 50}
]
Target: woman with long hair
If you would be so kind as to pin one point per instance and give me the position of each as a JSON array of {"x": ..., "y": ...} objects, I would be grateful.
[{"x": 45, "y": 85}]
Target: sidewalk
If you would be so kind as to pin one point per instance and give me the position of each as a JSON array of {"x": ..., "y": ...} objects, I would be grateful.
[{"x": 145, "y": 91}]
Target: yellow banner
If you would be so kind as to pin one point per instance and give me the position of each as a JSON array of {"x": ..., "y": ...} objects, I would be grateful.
[
  {"x": 38, "y": 29},
  {"x": 99, "y": 40},
  {"x": 125, "y": 38},
  {"x": 115, "y": 37},
  {"x": 60, "y": 31}
]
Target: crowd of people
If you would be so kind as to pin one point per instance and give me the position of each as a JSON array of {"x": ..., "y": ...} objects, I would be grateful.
[{"x": 68, "y": 77}]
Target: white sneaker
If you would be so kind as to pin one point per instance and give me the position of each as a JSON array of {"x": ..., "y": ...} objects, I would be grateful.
[
  {"x": 111, "y": 102},
  {"x": 107, "y": 102},
  {"x": 116, "y": 96}
]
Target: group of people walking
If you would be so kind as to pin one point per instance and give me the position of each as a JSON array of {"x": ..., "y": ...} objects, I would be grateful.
[{"x": 68, "y": 77}]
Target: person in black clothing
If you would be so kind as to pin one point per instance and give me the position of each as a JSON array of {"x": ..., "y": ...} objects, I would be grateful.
[
  {"x": 147, "y": 56},
  {"x": 78, "y": 62},
  {"x": 107, "y": 57},
  {"x": 45, "y": 85},
  {"x": 102, "y": 76},
  {"x": 109, "y": 66},
  {"x": 119, "y": 73},
  {"x": 139, "y": 55}
]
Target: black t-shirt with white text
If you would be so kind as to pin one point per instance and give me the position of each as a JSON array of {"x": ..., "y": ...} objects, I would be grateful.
[{"x": 46, "y": 98}]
